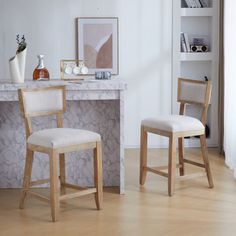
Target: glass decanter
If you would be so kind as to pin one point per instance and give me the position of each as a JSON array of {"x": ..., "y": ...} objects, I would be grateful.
[{"x": 41, "y": 72}]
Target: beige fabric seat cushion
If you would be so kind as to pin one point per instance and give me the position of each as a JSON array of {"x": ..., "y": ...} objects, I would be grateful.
[
  {"x": 62, "y": 137},
  {"x": 174, "y": 123}
]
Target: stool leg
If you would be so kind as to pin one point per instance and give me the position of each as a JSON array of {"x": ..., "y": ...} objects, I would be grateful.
[
  {"x": 181, "y": 155},
  {"x": 54, "y": 188},
  {"x": 171, "y": 165},
  {"x": 27, "y": 176},
  {"x": 206, "y": 161},
  {"x": 143, "y": 156},
  {"x": 98, "y": 179},
  {"x": 62, "y": 172}
]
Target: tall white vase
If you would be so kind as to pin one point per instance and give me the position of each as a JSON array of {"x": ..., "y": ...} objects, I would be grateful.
[{"x": 17, "y": 67}]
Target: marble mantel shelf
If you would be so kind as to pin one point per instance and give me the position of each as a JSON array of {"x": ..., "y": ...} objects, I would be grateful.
[
  {"x": 88, "y": 90},
  {"x": 93, "y": 105}
]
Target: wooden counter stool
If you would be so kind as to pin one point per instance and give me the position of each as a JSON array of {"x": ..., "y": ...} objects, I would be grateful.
[
  {"x": 176, "y": 127},
  {"x": 56, "y": 142}
]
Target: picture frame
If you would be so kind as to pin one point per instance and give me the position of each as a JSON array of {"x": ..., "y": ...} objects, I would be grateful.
[{"x": 98, "y": 43}]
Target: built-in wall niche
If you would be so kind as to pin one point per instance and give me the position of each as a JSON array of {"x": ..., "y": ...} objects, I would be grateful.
[
  {"x": 193, "y": 60},
  {"x": 198, "y": 27},
  {"x": 196, "y": 70},
  {"x": 206, "y": 3}
]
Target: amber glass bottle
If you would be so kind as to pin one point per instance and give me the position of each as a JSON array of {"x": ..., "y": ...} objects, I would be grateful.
[{"x": 41, "y": 72}]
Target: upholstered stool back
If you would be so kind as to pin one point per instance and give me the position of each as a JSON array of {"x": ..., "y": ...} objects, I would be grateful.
[
  {"x": 43, "y": 101},
  {"x": 195, "y": 92}
]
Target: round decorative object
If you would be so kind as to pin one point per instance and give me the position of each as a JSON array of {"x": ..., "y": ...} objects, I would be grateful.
[
  {"x": 84, "y": 70},
  {"x": 68, "y": 70},
  {"x": 76, "y": 70}
]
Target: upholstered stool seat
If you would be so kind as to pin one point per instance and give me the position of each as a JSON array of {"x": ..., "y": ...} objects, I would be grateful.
[
  {"x": 174, "y": 123},
  {"x": 60, "y": 137}
]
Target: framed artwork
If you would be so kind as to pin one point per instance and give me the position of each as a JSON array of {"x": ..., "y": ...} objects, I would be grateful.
[{"x": 98, "y": 43}]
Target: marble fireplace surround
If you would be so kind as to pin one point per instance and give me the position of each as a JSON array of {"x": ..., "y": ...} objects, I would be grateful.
[{"x": 91, "y": 105}]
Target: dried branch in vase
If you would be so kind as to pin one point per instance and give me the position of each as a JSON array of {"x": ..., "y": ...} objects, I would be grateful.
[{"x": 21, "y": 43}]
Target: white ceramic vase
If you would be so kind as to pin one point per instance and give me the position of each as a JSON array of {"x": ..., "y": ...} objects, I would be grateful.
[{"x": 17, "y": 67}]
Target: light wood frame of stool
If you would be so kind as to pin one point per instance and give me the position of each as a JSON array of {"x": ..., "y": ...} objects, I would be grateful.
[
  {"x": 53, "y": 154},
  {"x": 173, "y": 136}
]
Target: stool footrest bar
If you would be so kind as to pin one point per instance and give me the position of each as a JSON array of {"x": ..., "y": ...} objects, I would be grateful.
[
  {"x": 67, "y": 185},
  {"x": 192, "y": 176},
  {"x": 39, "y": 196},
  {"x": 39, "y": 182},
  {"x": 194, "y": 163},
  {"x": 155, "y": 171},
  {"x": 78, "y": 194}
]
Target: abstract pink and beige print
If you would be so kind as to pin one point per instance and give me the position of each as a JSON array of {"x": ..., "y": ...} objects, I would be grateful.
[{"x": 98, "y": 45}]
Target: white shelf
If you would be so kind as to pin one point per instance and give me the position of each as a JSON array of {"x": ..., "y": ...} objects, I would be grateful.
[
  {"x": 196, "y": 56},
  {"x": 198, "y": 12}
]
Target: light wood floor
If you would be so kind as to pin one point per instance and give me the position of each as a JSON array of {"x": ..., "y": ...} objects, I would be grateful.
[{"x": 193, "y": 210}]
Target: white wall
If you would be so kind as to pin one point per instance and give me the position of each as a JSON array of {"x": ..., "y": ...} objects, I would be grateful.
[{"x": 145, "y": 47}]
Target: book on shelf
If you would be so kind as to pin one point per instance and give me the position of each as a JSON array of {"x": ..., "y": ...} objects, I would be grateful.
[
  {"x": 191, "y": 4},
  {"x": 194, "y": 3},
  {"x": 204, "y": 3},
  {"x": 185, "y": 45},
  {"x": 188, "y": 3},
  {"x": 186, "y": 38},
  {"x": 198, "y": 4}
]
